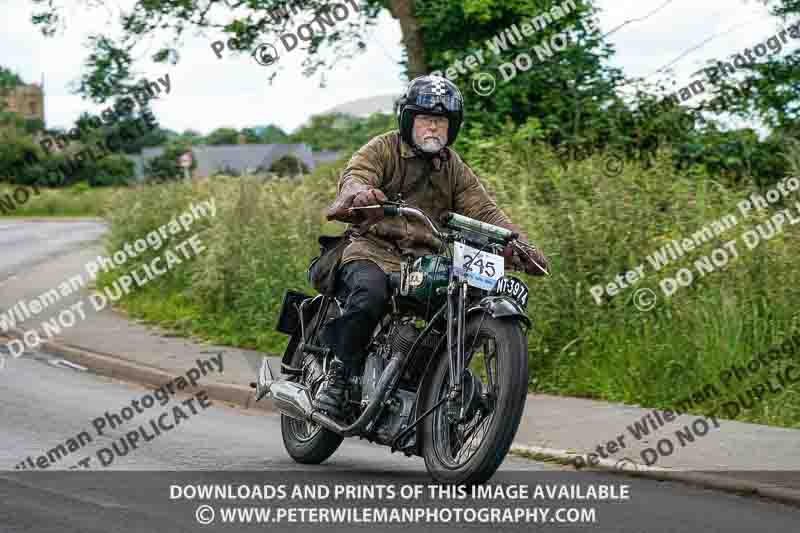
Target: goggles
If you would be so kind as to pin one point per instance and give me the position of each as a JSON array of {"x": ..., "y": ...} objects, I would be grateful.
[{"x": 430, "y": 100}]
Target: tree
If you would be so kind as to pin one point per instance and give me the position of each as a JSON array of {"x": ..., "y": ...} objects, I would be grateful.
[
  {"x": 772, "y": 90},
  {"x": 9, "y": 79},
  {"x": 567, "y": 91},
  {"x": 251, "y": 136},
  {"x": 165, "y": 167},
  {"x": 288, "y": 165},
  {"x": 272, "y": 134},
  {"x": 110, "y": 63},
  {"x": 223, "y": 136},
  {"x": 338, "y": 131},
  {"x": 190, "y": 136}
]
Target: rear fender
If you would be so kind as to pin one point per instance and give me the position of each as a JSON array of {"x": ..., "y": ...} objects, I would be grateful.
[{"x": 309, "y": 308}]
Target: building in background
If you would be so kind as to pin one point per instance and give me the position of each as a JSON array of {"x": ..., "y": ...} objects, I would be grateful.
[
  {"x": 25, "y": 100},
  {"x": 242, "y": 158}
]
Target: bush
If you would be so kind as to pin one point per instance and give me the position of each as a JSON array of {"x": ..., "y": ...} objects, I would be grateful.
[
  {"x": 17, "y": 151},
  {"x": 112, "y": 170},
  {"x": 165, "y": 167},
  {"x": 288, "y": 165},
  {"x": 226, "y": 170}
]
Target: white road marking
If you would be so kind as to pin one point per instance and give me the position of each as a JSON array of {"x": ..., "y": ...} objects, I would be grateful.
[{"x": 64, "y": 362}]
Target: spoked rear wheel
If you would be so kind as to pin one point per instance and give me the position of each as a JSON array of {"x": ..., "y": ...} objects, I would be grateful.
[
  {"x": 468, "y": 445},
  {"x": 307, "y": 442}
]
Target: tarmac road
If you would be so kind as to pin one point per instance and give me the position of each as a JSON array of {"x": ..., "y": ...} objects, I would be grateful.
[
  {"x": 44, "y": 403},
  {"x": 24, "y": 243}
]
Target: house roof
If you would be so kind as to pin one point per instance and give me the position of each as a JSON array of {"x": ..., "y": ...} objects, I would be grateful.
[{"x": 240, "y": 157}]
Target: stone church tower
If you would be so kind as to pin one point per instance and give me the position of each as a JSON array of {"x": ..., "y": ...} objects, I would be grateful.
[{"x": 25, "y": 100}]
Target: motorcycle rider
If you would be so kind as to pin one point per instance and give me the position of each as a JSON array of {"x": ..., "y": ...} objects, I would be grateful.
[{"x": 416, "y": 164}]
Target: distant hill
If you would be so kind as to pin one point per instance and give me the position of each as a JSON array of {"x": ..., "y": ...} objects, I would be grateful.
[{"x": 364, "y": 107}]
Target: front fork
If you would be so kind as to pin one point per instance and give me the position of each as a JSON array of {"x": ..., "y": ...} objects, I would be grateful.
[{"x": 456, "y": 320}]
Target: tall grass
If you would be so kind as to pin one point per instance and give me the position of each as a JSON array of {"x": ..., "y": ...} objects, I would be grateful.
[
  {"x": 593, "y": 226},
  {"x": 77, "y": 201}
]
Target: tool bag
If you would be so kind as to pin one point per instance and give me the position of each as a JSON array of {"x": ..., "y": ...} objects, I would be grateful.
[{"x": 323, "y": 268}]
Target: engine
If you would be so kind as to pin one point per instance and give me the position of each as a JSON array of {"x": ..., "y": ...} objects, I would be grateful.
[{"x": 399, "y": 340}]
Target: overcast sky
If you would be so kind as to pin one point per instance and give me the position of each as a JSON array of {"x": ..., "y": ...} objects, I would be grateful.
[{"x": 208, "y": 93}]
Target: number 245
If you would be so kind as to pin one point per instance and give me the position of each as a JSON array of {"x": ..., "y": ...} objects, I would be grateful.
[{"x": 471, "y": 261}]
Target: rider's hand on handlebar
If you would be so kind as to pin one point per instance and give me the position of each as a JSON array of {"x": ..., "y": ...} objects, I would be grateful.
[
  {"x": 526, "y": 260},
  {"x": 341, "y": 209},
  {"x": 367, "y": 198}
]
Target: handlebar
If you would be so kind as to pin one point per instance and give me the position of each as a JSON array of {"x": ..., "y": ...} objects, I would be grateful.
[
  {"x": 511, "y": 237},
  {"x": 396, "y": 210}
]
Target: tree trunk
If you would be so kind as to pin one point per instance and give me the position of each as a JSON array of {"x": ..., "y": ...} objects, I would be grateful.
[{"x": 403, "y": 10}]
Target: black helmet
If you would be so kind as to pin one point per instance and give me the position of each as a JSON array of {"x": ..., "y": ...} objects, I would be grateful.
[{"x": 430, "y": 95}]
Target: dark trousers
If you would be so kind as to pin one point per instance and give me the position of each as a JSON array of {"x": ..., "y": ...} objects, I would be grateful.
[{"x": 364, "y": 288}]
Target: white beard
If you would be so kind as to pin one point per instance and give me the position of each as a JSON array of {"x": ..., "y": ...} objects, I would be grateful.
[{"x": 430, "y": 145}]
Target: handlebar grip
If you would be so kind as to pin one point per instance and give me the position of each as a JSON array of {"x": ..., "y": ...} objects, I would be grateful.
[{"x": 391, "y": 210}]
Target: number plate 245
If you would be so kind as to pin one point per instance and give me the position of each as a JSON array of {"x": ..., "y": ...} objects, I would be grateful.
[{"x": 481, "y": 269}]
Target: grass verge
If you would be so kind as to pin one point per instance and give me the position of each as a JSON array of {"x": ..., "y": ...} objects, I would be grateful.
[{"x": 76, "y": 201}]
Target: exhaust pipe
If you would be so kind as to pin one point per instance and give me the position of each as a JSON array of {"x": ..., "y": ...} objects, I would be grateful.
[{"x": 294, "y": 400}]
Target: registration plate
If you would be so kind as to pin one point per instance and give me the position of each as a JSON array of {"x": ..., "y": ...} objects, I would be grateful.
[
  {"x": 481, "y": 269},
  {"x": 514, "y": 288}
]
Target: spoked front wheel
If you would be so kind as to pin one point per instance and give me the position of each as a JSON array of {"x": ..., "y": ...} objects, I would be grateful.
[{"x": 467, "y": 440}]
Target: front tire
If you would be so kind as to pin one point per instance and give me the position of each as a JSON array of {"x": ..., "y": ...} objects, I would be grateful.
[
  {"x": 501, "y": 348},
  {"x": 307, "y": 442}
]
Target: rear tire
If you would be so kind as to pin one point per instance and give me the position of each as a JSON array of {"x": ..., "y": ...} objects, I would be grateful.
[
  {"x": 307, "y": 442},
  {"x": 510, "y": 385}
]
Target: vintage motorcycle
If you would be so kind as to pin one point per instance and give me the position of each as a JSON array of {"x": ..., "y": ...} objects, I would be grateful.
[{"x": 446, "y": 373}]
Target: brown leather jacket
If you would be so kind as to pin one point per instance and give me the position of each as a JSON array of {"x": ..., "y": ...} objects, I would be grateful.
[{"x": 435, "y": 186}]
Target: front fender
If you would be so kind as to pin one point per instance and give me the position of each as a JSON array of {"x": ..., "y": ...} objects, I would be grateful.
[{"x": 500, "y": 307}]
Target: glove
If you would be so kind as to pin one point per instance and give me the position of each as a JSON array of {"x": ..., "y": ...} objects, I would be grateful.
[
  {"x": 530, "y": 267},
  {"x": 370, "y": 197},
  {"x": 521, "y": 262},
  {"x": 347, "y": 198}
]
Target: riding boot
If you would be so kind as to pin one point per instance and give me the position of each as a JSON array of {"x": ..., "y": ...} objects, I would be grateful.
[{"x": 330, "y": 397}]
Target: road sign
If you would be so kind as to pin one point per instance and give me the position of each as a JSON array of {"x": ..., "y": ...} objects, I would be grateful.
[{"x": 185, "y": 160}]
